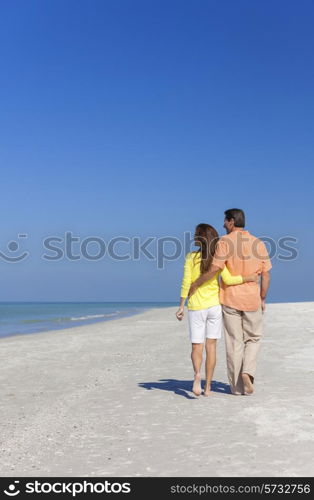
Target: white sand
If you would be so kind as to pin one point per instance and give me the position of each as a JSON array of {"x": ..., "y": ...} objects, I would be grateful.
[{"x": 113, "y": 399}]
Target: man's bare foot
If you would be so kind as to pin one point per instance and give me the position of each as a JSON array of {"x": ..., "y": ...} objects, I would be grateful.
[
  {"x": 207, "y": 391},
  {"x": 248, "y": 386},
  {"x": 197, "y": 389}
]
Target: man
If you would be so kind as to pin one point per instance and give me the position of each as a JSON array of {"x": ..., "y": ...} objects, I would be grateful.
[{"x": 243, "y": 305}]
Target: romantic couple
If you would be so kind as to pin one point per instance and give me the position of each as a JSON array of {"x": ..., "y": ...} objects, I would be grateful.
[{"x": 226, "y": 282}]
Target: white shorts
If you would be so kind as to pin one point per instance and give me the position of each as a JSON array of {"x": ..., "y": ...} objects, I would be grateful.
[{"x": 205, "y": 324}]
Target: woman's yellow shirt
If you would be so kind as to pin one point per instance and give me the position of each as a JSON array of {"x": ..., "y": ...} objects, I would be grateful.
[{"x": 207, "y": 295}]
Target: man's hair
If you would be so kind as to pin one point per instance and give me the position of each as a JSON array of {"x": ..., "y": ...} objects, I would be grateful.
[{"x": 237, "y": 215}]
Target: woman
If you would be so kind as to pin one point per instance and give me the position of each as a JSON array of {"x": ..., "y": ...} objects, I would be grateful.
[{"x": 204, "y": 309}]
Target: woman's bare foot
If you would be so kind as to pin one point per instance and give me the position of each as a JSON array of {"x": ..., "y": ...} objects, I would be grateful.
[
  {"x": 248, "y": 386},
  {"x": 207, "y": 391},
  {"x": 197, "y": 389}
]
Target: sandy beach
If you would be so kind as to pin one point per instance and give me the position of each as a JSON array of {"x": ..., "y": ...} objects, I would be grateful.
[{"x": 114, "y": 399}]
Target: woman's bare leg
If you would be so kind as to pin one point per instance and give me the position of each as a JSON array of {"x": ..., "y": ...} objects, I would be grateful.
[
  {"x": 197, "y": 358},
  {"x": 210, "y": 364}
]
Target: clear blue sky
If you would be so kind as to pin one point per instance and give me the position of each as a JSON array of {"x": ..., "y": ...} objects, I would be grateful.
[{"x": 144, "y": 118}]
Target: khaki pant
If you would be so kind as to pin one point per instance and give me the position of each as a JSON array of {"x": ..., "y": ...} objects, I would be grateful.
[{"x": 243, "y": 332}]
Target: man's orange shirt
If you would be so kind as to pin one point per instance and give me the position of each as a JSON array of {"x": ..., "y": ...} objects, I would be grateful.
[{"x": 244, "y": 254}]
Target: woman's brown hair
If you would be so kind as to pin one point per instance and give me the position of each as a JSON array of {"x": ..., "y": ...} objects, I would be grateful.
[{"x": 207, "y": 237}]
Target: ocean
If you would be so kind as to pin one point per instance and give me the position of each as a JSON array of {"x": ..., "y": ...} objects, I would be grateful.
[{"x": 18, "y": 318}]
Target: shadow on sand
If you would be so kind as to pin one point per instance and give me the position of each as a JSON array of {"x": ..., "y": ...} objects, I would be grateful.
[{"x": 183, "y": 387}]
